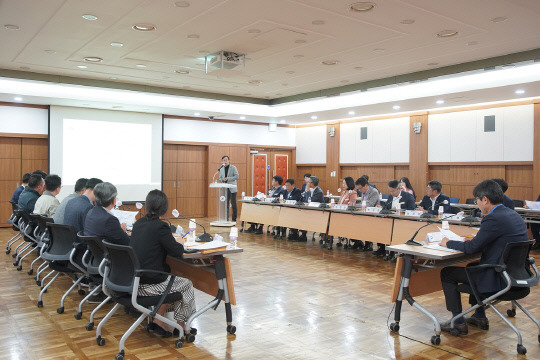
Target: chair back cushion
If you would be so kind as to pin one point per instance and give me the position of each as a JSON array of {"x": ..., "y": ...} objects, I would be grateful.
[{"x": 121, "y": 267}]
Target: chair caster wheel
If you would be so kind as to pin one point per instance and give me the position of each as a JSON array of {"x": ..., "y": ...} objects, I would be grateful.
[
  {"x": 394, "y": 327},
  {"x": 14, "y": 255},
  {"x": 340, "y": 245},
  {"x": 8, "y": 251},
  {"x": 78, "y": 316},
  {"x": 19, "y": 268},
  {"x": 100, "y": 341},
  {"x": 119, "y": 356},
  {"x": 436, "y": 340},
  {"x": 511, "y": 312},
  {"x": 30, "y": 272},
  {"x": 38, "y": 282},
  {"x": 16, "y": 262},
  {"x": 231, "y": 329},
  {"x": 179, "y": 343},
  {"x": 81, "y": 292},
  {"x": 454, "y": 332},
  {"x": 521, "y": 350},
  {"x": 89, "y": 326},
  {"x": 190, "y": 338},
  {"x": 40, "y": 303},
  {"x": 60, "y": 310}
]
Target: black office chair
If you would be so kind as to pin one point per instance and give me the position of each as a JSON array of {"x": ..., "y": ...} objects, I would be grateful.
[
  {"x": 518, "y": 272},
  {"x": 14, "y": 219},
  {"x": 28, "y": 228},
  {"x": 42, "y": 238},
  {"x": 470, "y": 201},
  {"x": 518, "y": 203},
  {"x": 454, "y": 200},
  {"x": 121, "y": 283},
  {"x": 454, "y": 209}
]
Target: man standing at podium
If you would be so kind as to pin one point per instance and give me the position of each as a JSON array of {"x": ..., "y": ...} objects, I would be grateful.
[{"x": 228, "y": 174}]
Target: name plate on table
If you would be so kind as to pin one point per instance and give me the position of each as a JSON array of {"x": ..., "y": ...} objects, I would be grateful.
[
  {"x": 269, "y": 200},
  {"x": 290, "y": 202},
  {"x": 248, "y": 198},
  {"x": 314, "y": 204},
  {"x": 374, "y": 210},
  {"x": 415, "y": 213},
  {"x": 340, "y": 207}
]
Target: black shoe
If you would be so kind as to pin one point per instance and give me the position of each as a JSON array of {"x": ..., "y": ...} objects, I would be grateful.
[
  {"x": 97, "y": 299},
  {"x": 367, "y": 247},
  {"x": 462, "y": 328},
  {"x": 275, "y": 236},
  {"x": 158, "y": 330},
  {"x": 259, "y": 231},
  {"x": 301, "y": 238},
  {"x": 379, "y": 252},
  {"x": 482, "y": 323},
  {"x": 250, "y": 229},
  {"x": 176, "y": 332}
]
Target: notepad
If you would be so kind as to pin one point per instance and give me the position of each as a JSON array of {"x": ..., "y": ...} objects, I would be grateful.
[
  {"x": 439, "y": 247},
  {"x": 450, "y": 235}
]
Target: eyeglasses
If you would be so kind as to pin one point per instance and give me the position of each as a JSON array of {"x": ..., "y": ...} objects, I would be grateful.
[{"x": 476, "y": 200}]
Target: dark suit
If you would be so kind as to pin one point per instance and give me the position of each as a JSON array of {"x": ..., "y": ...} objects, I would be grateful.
[
  {"x": 303, "y": 188},
  {"x": 317, "y": 196},
  {"x": 500, "y": 227},
  {"x": 407, "y": 201},
  {"x": 295, "y": 194},
  {"x": 276, "y": 192},
  {"x": 427, "y": 202},
  {"x": 509, "y": 203},
  {"x": 100, "y": 223},
  {"x": 535, "y": 229},
  {"x": 76, "y": 210},
  {"x": 27, "y": 200}
]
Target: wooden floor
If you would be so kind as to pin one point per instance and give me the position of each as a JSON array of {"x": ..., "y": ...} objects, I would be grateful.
[{"x": 295, "y": 301}]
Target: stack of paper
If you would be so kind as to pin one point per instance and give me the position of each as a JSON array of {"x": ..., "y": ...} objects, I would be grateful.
[
  {"x": 127, "y": 217},
  {"x": 439, "y": 247},
  {"x": 533, "y": 205},
  {"x": 208, "y": 247}
]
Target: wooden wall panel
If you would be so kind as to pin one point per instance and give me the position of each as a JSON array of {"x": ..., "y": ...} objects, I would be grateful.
[
  {"x": 314, "y": 170},
  {"x": 35, "y": 149},
  {"x": 10, "y": 148},
  {"x": 418, "y": 154},
  {"x": 402, "y": 171},
  {"x": 11, "y": 169},
  {"x": 191, "y": 154},
  {"x": 33, "y": 165},
  {"x": 169, "y": 171},
  {"x": 536, "y": 153},
  {"x": 238, "y": 153},
  {"x": 170, "y": 153},
  {"x": 332, "y": 159},
  {"x": 190, "y": 171},
  {"x": 191, "y": 188}
]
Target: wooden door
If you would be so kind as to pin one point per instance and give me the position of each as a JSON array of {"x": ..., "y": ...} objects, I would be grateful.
[
  {"x": 259, "y": 167},
  {"x": 281, "y": 166}
]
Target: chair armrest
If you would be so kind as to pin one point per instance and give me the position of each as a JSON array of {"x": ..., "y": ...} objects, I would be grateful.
[
  {"x": 497, "y": 267},
  {"x": 470, "y": 270},
  {"x": 530, "y": 260},
  {"x": 139, "y": 272}
]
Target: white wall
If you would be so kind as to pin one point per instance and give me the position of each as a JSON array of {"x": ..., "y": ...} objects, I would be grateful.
[
  {"x": 460, "y": 136},
  {"x": 219, "y": 132},
  {"x": 387, "y": 142},
  {"x": 311, "y": 145},
  {"x": 24, "y": 120}
]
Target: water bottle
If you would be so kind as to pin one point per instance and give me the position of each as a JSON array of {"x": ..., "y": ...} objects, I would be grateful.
[
  {"x": 364, "y": 204},
  {"x": 398, "y": 208},
  {"x": 192, "y": 227},
  {"x": 243, "y": 195},
  {"x": 281, "y": 198},
  {"x": 441, "y": 211},
  {"x": 233, "y": 237}
]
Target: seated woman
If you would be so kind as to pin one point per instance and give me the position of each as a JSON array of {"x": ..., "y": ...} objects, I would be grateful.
[
  {"x": 406, "y": 186},
  {"x": 152, "y": 241},
  {"x": 348, "y": 194}
]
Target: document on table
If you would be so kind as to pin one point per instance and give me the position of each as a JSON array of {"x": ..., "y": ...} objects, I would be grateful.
[
  {"x": 207, "y": 245},
  {"x": 450, "y": 235},
  {"x": 123, "y": 216},
  {"x": 439, "y": 247},
  {"x": 533, "y": 205}
]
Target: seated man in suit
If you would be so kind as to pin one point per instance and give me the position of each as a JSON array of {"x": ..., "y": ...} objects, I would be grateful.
[
  {"x": 100, "y": 222},
  {"x": 291, "y": 193},
  {"x": 80, "y": 187},
  {"x": 313, "y": 194},
  {"x": 507, "y": 201},
  {"x": 77, "y": 208},
  {"x": 397, "y": 196},
  {"x": 306, "y": 180},
  {"x": 19, "y": 190},
  {"x": 434, "y": 198},
  {"x": 371, "y": 196},
  {"x": 535, "y": 230},
  {"x": 500, "y": 226},
  {"x": 31, "y": 193},
  {"x": 275, "y": 191},
  {"x": 48, "y": 203}
]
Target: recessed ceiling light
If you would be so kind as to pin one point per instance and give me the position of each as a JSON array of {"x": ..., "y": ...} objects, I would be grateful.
[
  {"x": 282, "y": 121},
  {"x": 242, "y": 118},
  {"x": 361, "y": 6},
  {"x": 144, "y": 27},
  {"x": 113, "y": 78},
  {"x": 254, "y": 31},
  {"x": 142, "y": 66},
  {"x": 197, "y": 114},
  {"x": 11, "y": 27},
  {"x": 318, "y": 22},
  {"x": 378, "y": 51},
  {"x": 520, "y": 91},
  {"x": 182, "y": 4},
  {"x": 472, "y": 43},
  {"x": 255, "y": 82},
  {"x": 447, "y": 33},
  {"x": 93, "y": 59},
  {"x": 396, "y": 107},
  {"x": 407, "y": 21},
  {"x": 351, "y": 112},
  {"x": 116, "y": 44},
  {"x": 193, "y": 36},
  {"x": 300, "y": 41},
  {"x": 358, "y": 68},
  {"x": 314, "y": 117},
  {"x": 499, "y": 19},
  {"x": 82, "y": 66},
  {"x": 433, "y": 64},
  {"x": 182, "y": 72},
  {"x": 299, "y": 56},
  {"x": 89, "y": 17},
  {"x": 330, "y": 62},
  {"x": 17, "y": 98},
  {"x": 50, "y": 51},
  {"x": 440, "y": 102},
  {"x": 290, "y": 72}
]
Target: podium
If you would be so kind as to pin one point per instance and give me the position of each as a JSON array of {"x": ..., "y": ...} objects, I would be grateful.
[{"x": 222, "y": 204}]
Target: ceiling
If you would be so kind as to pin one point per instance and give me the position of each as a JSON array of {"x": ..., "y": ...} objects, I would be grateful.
[{"x": 285, "y": 42}]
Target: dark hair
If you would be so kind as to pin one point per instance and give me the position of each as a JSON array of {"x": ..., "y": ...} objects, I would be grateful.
[
  {"x": 91, "y": 183},
  {"x": 307, "y": 175},
  {"x": 26, "y": 178},
  {"x": 362, "y": 181},
  {"x": 350, "y": 182},
  {"x": 156, "y": 204},
  {"x": 366, "y": 177},
  {"x": 435, "y": 185},
  {"x": 279, "y": 179},
  {"x": 290, "y": 181},
  {"x": 52, "y": 182},
  {"x": 40, "y": 172},
  {"x": 314, "y": 180},
  {"x": 489, "y": 189},
  {"x": 408, "y": 185},
  {"x": 394, "y": 184},
  {"x": 80, "y": 184},
  {"x": 502, "y": 183},
  {"x": 223, "y": 157},
  {"x": 35, "y": 180},
  {"x": 105, "y": 192}
]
